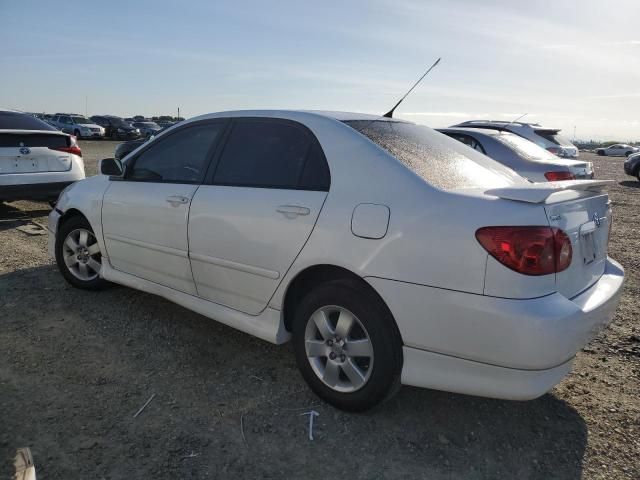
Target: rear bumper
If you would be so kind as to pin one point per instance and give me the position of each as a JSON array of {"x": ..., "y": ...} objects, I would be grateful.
[
  {"x": 504, "y": 341},
  {"x": 33, "y": 191}
]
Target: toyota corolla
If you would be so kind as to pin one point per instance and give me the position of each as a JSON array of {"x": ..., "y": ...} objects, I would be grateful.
[{"x": 387, "y": 252}]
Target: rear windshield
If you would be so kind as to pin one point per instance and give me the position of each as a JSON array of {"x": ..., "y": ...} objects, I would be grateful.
[
  {"x": 554, "y": 137},
  {"x": 443, "y": 162},
  {"x": 33, "y": 140},
  {"x": 22, "y": 121},
  {"x": 525, "y": 148}
]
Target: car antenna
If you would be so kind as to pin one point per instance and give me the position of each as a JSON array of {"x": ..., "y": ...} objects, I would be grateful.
[
  {"x": 389, "y": 114},
  {"x": 514, "y": 121}
]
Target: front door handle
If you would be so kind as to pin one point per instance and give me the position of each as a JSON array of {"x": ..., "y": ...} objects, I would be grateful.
[
  {"x": 292, "y": 211},
  {"x": 176, "y": 200}
]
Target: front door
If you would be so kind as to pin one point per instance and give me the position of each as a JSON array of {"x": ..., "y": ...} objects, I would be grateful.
[
  {"x": 144, "y": 216},
  {"x": 252, "y": 218}
]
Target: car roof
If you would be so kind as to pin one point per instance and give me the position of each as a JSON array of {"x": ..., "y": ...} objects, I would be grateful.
[
  {"x": 502, "y": 123},
  {"x": 298, "y": 115},
  {"x": 472, "y": 130}
]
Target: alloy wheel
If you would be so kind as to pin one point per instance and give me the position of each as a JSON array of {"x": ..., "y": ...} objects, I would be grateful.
[
  {"x": 339, "y": 349},
  {"x": 81, "y": 254}
]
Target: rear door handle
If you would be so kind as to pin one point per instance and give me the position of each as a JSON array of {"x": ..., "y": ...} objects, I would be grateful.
[
  {"x": 176, "y": 200},
  {"x": 292, "y": 211}
]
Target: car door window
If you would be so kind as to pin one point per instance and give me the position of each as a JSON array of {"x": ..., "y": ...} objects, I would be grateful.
[
  {"x": 271, "y": 154},
  {"x": 179, "y": 158},
  {"x": 65, "y": 120}
]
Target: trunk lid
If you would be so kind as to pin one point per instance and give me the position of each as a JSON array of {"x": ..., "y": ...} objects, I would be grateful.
[
  {"x": 30, "y": 151},
  {"x": 583, "y": 211}
]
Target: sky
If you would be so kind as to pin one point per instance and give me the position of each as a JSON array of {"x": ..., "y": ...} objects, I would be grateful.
[{"x": 573, "y": 65}]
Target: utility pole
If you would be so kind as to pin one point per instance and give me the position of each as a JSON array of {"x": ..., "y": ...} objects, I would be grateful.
[
  {"x": 574, "y": 133},
  {"x": 85, "y": 105},
  {"x": 178, "y": 112}
]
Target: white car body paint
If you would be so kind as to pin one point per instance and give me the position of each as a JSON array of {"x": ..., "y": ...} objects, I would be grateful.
[{"x": 468, "y": 323}]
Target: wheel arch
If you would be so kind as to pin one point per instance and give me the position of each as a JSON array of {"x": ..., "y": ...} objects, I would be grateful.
[
  {"x": 315, "y": 275},
  {"x": 68, "y": 215}
]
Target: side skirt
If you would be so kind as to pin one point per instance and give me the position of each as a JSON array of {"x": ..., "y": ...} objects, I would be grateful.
[{"x": 268, "y": 325}]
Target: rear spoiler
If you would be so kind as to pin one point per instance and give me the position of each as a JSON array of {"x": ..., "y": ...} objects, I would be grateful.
[{"x": 540, "y": 192}]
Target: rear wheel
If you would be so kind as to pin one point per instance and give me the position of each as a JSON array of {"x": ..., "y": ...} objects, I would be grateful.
[
  {"x": 347, "y": 345},
  {"x": 78, "y": 255}
]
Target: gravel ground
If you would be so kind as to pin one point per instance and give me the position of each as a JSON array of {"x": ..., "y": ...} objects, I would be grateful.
[{"x": 76, "y": 366}]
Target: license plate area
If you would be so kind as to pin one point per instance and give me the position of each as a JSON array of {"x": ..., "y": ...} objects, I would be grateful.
[{"x": 589, "y": 243}]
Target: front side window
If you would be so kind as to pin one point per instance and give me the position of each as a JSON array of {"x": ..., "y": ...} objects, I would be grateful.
[
  {"x": 178, "y": 158},
  {"x": 271, "y": 154},
  {"x": 65, "y": 120}
]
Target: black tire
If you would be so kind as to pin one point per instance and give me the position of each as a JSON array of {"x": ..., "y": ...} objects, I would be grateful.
[
  {"x": 76, "y": 133},
  {"x": 626, "y": 154},
  {"x": 386, "y": 367},
  {"x": 600, "y": 152},
  {"x": 64, "y": 230}
]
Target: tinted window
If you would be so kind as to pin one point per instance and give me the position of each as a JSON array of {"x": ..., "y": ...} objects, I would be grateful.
[
  {"x": 467, "y": 140},
  {"x": 180, "y": 157},
  {"x": 315, "y": 175},
  {"x": 22, "y": 121},
  {"x": 264, "y": 154},
  {"x": 441, "y": 161}
]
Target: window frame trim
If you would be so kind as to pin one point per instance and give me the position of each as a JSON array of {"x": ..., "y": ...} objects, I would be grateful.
[
  {"x": 130, "y": 163},
  {"x": 314, "y": 144}
]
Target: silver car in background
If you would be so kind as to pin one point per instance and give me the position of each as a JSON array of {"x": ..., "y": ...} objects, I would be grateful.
[
  {"x": 547, "y": 138},
  {"x": 525, "y": 157}
]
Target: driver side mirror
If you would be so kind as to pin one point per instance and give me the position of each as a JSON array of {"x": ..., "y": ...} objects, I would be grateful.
[{"x": 111, "y": 167}]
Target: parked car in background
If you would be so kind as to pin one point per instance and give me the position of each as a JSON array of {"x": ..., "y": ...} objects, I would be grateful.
[
  {"x": 37, "y": 161},
  {"x": 617, "y": 150},
  {"x": 388, "y": 252},
  {"x": 632, "y": 165},
  {"x": 77, "y": 125},
  {"x": 147, "y": 128},
  {"x": 525, "y": 157},
  {"x": 125, "y": 148},
  {"x": 116, "y": 127},
  {"x": 547, "y": 138}
]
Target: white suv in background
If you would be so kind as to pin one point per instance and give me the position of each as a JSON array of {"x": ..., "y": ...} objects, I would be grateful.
[
  {"x": 77, "y": 125},
  {"x": 548, "y": 138},
  {"x": 37, "y": 161}
]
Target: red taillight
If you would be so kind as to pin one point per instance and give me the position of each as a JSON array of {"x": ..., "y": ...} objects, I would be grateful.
[
  {"x": 556, "y": 176},
  {"x": 528, "y": 250},
  {"x": 73, "y": 148}
]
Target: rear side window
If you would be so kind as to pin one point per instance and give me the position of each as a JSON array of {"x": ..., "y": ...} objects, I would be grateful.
[
  {"x": 272, "y": 154},
  {"x": 467, "y": 140},
  {"x": 178, "y": 158},
  {"x": 22, "y": 121},
  {"x": 439, "y": 160}
]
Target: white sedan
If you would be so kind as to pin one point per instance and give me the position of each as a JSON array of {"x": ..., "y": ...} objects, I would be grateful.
[
  {"x": 617, "y": 150},
  {"x": 389, "y": 253}
]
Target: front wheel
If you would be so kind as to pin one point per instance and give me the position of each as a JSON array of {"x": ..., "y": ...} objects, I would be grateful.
[
  {"x": 347, "y": 345},
  {"x": 600, "y": 152},
  {"x": 78, "y": 255}
]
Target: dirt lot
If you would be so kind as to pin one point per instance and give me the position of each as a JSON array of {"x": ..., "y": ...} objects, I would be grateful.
[{"x": 76, "y": 366}]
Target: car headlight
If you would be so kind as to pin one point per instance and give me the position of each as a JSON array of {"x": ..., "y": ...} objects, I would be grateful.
[{"x": 137, "y": 130}]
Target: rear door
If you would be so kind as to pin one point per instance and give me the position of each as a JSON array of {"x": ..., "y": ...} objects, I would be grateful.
[
  {"x": 144, "y": 216},
  {"x": 28, "y": 151},
  {"x": 254, "y": 215}
]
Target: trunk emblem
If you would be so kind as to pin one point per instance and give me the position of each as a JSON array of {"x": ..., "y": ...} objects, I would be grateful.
[
  {"x": 25, "y": 150},
  {"x": 597, "y": 220}
]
